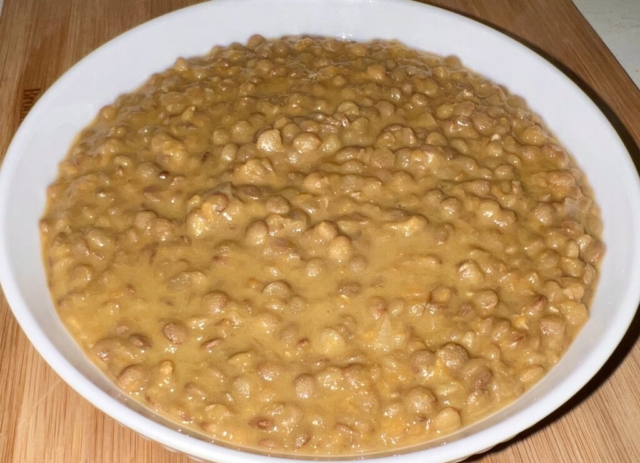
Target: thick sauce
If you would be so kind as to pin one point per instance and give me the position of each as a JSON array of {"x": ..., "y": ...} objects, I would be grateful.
[{"x": 321, "y": 246}]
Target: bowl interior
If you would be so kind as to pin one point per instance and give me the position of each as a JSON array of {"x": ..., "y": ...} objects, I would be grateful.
[{"x": 126, "y": 62}]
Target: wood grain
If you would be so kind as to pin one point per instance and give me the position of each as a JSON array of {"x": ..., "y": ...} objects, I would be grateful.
[{"x": 43, "y": 420}]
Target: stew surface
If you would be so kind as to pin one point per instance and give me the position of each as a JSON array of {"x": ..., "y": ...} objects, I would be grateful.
[{"x": 323, "y": 247}]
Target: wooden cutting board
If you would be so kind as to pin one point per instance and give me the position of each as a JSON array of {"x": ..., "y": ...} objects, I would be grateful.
[{"x": 43, "y": 420}]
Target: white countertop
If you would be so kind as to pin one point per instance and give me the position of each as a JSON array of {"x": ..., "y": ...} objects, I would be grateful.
[{"x": 617, "y": 22}]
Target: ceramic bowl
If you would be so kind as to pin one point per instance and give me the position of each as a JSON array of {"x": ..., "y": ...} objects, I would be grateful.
[{"x": 126, "y": 62}]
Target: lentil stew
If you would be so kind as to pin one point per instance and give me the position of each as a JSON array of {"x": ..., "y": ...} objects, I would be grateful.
[{"x": 323, "y": 247}]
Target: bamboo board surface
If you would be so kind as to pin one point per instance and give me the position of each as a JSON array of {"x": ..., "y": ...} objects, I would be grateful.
[{"x": 43, "y": 420}]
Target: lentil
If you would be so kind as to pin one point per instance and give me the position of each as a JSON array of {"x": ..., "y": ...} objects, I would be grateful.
[{"x": 321, "y": 245}]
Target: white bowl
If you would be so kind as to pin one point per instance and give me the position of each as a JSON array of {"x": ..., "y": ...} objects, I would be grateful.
[{"x": 127, "y": 61}]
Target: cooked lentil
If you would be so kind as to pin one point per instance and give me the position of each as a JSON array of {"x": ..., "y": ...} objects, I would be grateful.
[{"x": 319, "y": 246}]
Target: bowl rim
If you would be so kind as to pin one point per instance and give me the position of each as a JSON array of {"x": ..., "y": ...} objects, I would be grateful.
[{"x": 465, "y": 446}]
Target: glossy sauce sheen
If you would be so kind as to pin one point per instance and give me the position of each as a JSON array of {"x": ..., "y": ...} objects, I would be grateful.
[{"x": 322, "y": 247}]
